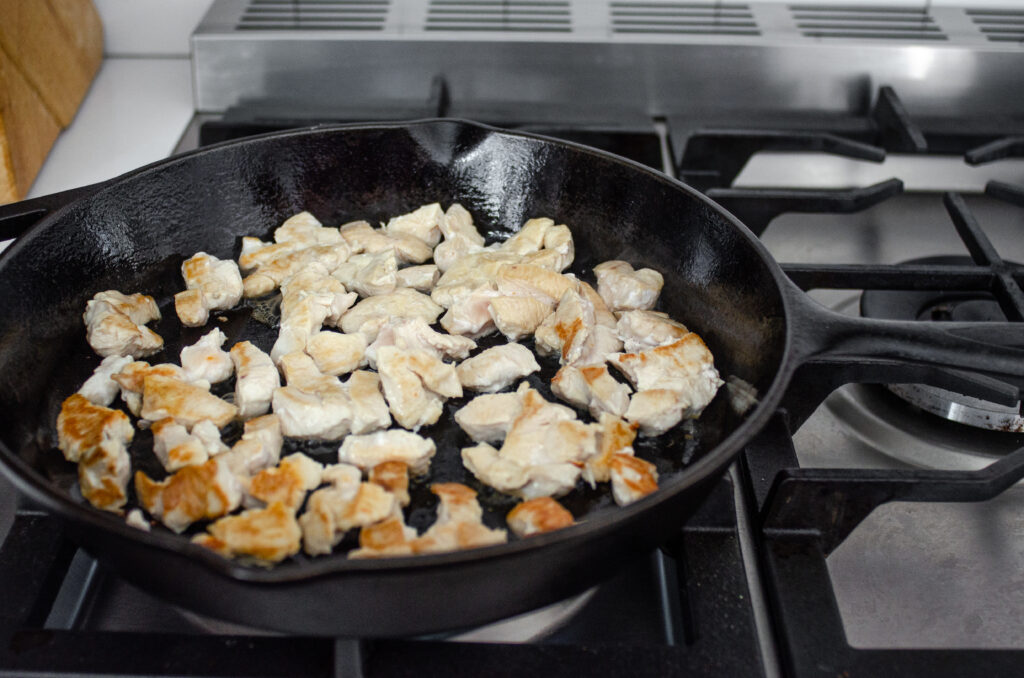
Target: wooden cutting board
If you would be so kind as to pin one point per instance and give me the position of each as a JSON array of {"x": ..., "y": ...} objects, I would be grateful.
[{"x": 50, "y": 51}]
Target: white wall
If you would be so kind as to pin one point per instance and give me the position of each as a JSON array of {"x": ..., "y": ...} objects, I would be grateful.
[{"x": 149, "y": 28}]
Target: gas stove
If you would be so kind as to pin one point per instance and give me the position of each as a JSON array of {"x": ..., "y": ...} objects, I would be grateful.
[{"x": 858, "y": 534}]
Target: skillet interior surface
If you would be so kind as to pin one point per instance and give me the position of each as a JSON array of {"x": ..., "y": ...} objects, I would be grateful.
[{"x": 134, "y": 234}]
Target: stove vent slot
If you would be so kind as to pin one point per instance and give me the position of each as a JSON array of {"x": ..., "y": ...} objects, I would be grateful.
[
  {"x": 682, "y": 18},
  {"x": 314, "y": 15},
  {"x": 999, "y": 25},
  {"x": 504, "y": 16},
  {"x": 860, "y": 22}
]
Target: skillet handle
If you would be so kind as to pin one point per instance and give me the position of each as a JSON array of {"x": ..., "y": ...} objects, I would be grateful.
[
  {"x": 18, "y": 217},
  {"x": 993, "y": 348}
]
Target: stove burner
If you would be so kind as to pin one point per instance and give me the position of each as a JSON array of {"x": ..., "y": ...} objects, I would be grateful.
[{"x": 939, "y": 306}]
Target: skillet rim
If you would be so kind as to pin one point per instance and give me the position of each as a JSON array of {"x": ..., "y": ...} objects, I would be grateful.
[{"x": 30, "y": 483}]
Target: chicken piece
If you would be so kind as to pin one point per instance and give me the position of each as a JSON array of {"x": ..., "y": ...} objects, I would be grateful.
[
  {"x": 100, "y": 388},
  {"x": 558, "y": 241},
  {"x": 529, "y": 238},
  {"x": 204, "y": 360},
  {"x": 305, "y": 230},
  {"x": 415, "y": 333},
  {"x": 136, "y": 519},
  {"x": 471, "y": 272},
  {"x": 624, "y": 289},
  {"x": 369, "y": 274},
  {"x": 614, "y": 437},
  {"x": 529, "y": 280},
  {"x": 602, "y": 314},
  {"x": 535, "y": 516},
  {"x": 470, "y": 313},
  {"x": 361, "y": 237},
  {"x": 267, "y": 534},
  {"x": 342, "y": 475},
  {"x": 218, "y": 282},
  {"x": 335, "y": 353},
  {"x": 518, "y": 317},
  {"x": 487, "y": 418},
  {"x": 332, "y": 511},
  {"x": 115, "y": 324},
  {"x": 415, "y": 383},
  {"x": 685, "y": 366},
  {"x": 632, "y": 478},
  {"x": 194, "y": 493},
  {"x": 132, "y": 379},
  {"x": 421, "y": 278},
  {"x": 256, "y": 379},
  {"x": 642, "y": 330},
  {"x": 175, "y": 447},
  {"x": 389, "y": 537},
  {"x": 460, "y": 237},
  {"x": 82, "y": 427},
  {"x": 423, "y": 223},
  {"x": 187, "y": 404},
  {"x": 309, "y": 299},
  {"x": 458, "y": 525},
  {"x": 657, "y": 410},
  {"x": 367, "y": 451},
  {"x": 496, "y": 368},
  {"x": 369, "y": 409},
  {"x": 393, "y": 476},
  {"x": 103, "y": 474},
  {"x": 592, "y": 388},
  {"x": 281, "y": 262},
  {"x": 574, "y": 333},
  {"x": 259, "y": 447},
  {"x": 402, "y": 303},
  {"x": 288, "y": 482},
  {"x": 313, "y": 405}
]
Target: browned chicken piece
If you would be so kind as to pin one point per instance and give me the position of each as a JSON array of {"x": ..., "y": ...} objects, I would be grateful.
[
  {"x": 375, "y": 311},
  {"x": 592, "y": 388},
  {"x": 132, "y": 379},
  {"x": 259, "y": 448},
  {"x": 335, "y": 353},
  {"x": 361, "y": 237},
  {"x": 176, "y": 448},
  {"x": 642, "y": 330},
  {"x": 313, "y": 405},
  {"x": 103, "y": 475},
  {"x": 497, "y": 367},
  {"x": 332, "y": 511},
  {"x": 632, "y": 478},
  {"x": 219, "y": 284},
  {"x": 369, "y": 409},
  {"x": 194, "y": 493},
  {"x": 535, "y": 516},
  {"x": 390, "y": 537},
  {"x": 256, "y": 379},
  {"x": 288, "y": 482},
  {"x": 459, "y": 523},
  {"x": 415, "y": 383},
  {"x": 530, "y": 280},
  {"x": 423, "y": 223},
  {"x": 370, "y": 274},
  {"x": 100, "y": 388},
  {"x": 470, "y": 314},
  {"x": 460, "y": 237},
  {"x": 205, "y": 360},
  {"x": 614, "y": 436},
  {"x": 393, "y": 476},
  {"x": 82, "y": 426},
  {"x": 415, "y": 333},
  {"x": 267, "y": 534},
  {"x": 372, "y": 449},
  {"x": 115, "y": 324},
  {"x": 518, "y": 317},
  {"x": 624, "y": 289},
  {"x": 420, "y": 278},
  {"x": 573, "y": 332},
  {"x": 187, "y": 404},
  {"x": 487, "y": 418},
  {"x": 309, "y": 300},
  {"x": 305, "y": 230}
]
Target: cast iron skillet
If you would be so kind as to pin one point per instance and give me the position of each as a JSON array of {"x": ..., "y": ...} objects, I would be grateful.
[{"x": 131, "y": 233}]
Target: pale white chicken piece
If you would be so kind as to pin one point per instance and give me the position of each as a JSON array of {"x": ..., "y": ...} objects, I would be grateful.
[
  {"x": 415, "y": 333},
  {"x": 657, "y": 410},
  {"x": 496, "y": 368},
  {"x": 369, "y": 409},
  {"x": 176, "y": 448},
  {"x": 267, "y": 534},
  {"x": 370, "y": 274},
  {"x": 591, "y": 387},
  {"x": 188, "y": 404},
  {"x": 471, "y": 272},
  {"x": 367, "y": 451},
  {"x": 342, "y": 475},
  {"x": 614, "y": 436},
  {"x": 460, "y": 237},
  {"x": 393, "y": 476},
  {"x": 305, "y": 230},
  {"x": 218, "y": 282},
  {"x": 115, "y": 324},
  {"x": 420, "y": 278},
  {"x": 642, "y": 330},
  {"x": 259, "y": 447},
  {"x": 448, "y": 253},
  {"x": 632, "y": 478},
  {"x": 529, "y": 238},
  {"x": 132, "y": 378},
  {"x": 685, "y": 366},
  {"x": 136, "y": 519},
  {"x": 288, "y": 482},
  {"x": 256, "y": 379},
  {"x": 205, "y": 360},
  {"x": 335, "y": 353},
  {"x": 100, "y": 388},
  {"x": 309, "y": 300},
  {"x": 602, "y": 314},
  {"x": 487, "y": 418},
  {"x": 194, "y": 493},
  {"x": 402, "y": 303},
  {"x": 415, "y": 383},
  {"x": 535, "y": 516},
  {"x": 313, "y": 405},
  {"x": 361, "y": 237},
  {"x": 624, "y": 289},
  {"x": 96, "y": 438},
  {"x": 459, "y": 523},
  {"x": 332, "y": 511},
  {"x": 470, "y": 314},
  {"x": 558, "y": 241},
  {"x": 274, "y": 264},
  {"x": 518, "y": 317},
  {"x": 529, "y": 280},
  {"x": 423, "y": 223}
]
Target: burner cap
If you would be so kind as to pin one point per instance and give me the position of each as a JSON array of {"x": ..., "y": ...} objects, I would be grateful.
[{"x": 939, "y": 306}]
